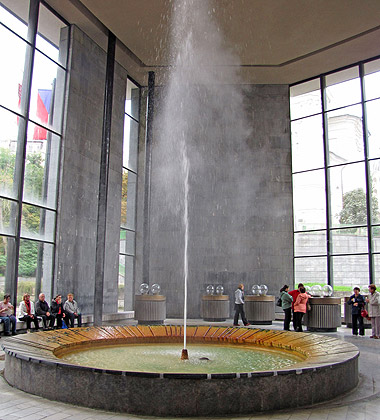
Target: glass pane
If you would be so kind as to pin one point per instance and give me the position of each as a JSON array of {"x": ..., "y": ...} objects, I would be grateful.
[
  {"x": 128, "y": 203},
  {"x": 121, "y": 283},
  {"x": 132, "y": 101},
  {"x": 49, "y": 32},
  {"x": 348, "y": 196},
  {"x": 41, "y": 168},
  {"x": 44, "y": 95},
  {"x": 7, "y": 248},
  {"x": 8, "y": 145},
  {"x": 307, "y": 144},
  {"x": 37, "y": 223},
  {"x": 345, "y": 135},
  {"x": 376, "y": 238},
  {"x": 18, "y": 18},
  {"x": 130, "y": 144},
  {"x": 126, "y": 275},
  {"x": 374, "y": 170},
  {"x": 124, "y": 192},
  {"x": 310, "y": 271},
  {"x": 8, "y": 215},
  {"x": 349, "y": 241},
  {"x": 372, "y": 79},
  {"x": 310, "y": 243},
  {"x": 350, "y": 271},
  {"x": 305, "y": 99},
  {"x": 376, "y": 259},
  {"x": 12, "y": 69},
  {"x": 127, "y": 242},
  {"x": 373, "y": 128},
  {"x": 343, "y": 88},
  {"x": 34, "y": 269},
  {"x": 309, "y": 200}
]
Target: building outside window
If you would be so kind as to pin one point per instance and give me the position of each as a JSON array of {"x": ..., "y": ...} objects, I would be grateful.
[
  {"x": 128, "y": 200},
  {"x": 32, "y": 82},
  {"x": 335, "y": 132}
]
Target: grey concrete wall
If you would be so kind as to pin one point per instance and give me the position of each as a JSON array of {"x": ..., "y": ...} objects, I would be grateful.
[
  {"x": 240, "y": 212},
  {"x": 80, "y": 165}
]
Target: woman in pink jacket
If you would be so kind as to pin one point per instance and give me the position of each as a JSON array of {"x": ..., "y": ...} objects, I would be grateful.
[{"x": 300, "y": 309}]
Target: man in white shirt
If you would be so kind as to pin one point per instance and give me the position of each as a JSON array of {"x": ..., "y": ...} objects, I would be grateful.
[{"x": 239, "y": 306}]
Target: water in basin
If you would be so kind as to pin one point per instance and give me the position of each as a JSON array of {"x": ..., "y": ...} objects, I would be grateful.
[{"x": 165, "y": 357}]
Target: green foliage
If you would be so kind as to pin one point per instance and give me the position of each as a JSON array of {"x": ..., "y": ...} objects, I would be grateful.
[
  {"x": 7, "y": 164},
  {"x": 124, "y": 188},
  {"x": 336, "y": 288},
  {"x": 3, "y": 260},
  {"x": 33, "y": 185},
  {"x": 25, "y": 287},
  {"x": 34, "y": 175},
  {"x": 121, "y": 291},
  {"x": 28, "y": 258},
  {"x": 354, "y": 210}
]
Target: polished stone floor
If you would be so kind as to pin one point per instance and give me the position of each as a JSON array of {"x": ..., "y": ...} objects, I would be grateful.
[{"x": 363, "y": 403}]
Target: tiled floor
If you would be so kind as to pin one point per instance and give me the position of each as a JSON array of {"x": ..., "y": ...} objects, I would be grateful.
[{"x": 363, "y": 403}]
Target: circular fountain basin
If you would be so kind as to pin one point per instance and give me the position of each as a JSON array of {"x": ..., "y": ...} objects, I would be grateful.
[{"x": 320, "y": 368}]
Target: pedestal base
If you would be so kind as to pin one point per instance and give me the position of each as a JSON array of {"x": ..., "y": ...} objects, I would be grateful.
[{"x": 215, "y": 308}]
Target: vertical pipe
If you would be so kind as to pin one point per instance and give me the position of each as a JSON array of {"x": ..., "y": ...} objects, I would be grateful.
[
  {"x": 368, "y": 180},
  {"x": 103, "y": 182},
  {"x": 18, "y": 183},
  {"x": 148, "y": 169}
]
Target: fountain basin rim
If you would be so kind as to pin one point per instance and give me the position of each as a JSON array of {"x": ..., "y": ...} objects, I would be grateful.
[
  {"x": 39, "y": 353},
  {"x": 330, "y": 369}
]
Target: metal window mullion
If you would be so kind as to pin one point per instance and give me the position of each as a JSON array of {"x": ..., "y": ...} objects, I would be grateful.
[
  {"x": 131, "y": 117},
  {"x": 101, "y": 227},
  {"x": 367, "y": 178},
  {"x": 59, "y": 168},
  {"x": 327, "y": 183},
  {"x": 148, "y": 168},
  {"x": 22, "y": 136}
]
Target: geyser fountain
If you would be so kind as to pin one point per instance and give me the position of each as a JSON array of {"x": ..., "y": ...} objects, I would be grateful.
[
  {"x": 316, "y": 369},
  {"x": 199, "y": 106}
]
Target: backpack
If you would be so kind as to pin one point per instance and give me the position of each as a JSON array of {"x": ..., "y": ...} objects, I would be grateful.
[{"x": 279, "y": 302}]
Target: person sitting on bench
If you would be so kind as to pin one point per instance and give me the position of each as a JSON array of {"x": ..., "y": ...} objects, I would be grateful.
[
  {"x": 27, "y": 313},
  {"x": 72, "y": 311}
]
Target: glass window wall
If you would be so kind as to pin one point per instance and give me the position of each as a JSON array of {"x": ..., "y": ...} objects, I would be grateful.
[
  {"x": 31, "y": 109},
  {"x": 128, "y": 199},
  {"x": 336, "y": 176}
]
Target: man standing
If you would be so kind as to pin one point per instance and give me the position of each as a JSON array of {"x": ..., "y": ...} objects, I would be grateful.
[
  {"x": 43, "y": 310},
  {"x": 239, "y": 306},
  {"x": 6, "y": 315}
]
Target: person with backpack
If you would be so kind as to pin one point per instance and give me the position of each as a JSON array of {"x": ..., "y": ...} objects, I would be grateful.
[{"x": 286, "y": 305}]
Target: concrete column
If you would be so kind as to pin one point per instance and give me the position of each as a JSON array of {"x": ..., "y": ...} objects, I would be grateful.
[{"x": 80, "y": 166}]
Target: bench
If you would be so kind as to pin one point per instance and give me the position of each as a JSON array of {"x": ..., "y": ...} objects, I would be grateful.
[{"x": 87, "y": 320}]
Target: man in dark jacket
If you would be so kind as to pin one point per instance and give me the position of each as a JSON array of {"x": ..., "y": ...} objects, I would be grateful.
[
  {"x": 42, "y": 309},
  {"x": 358, "y": 303}
]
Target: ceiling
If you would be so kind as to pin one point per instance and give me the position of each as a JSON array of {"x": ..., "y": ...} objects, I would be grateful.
[{"x": 273, "y": 41}]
